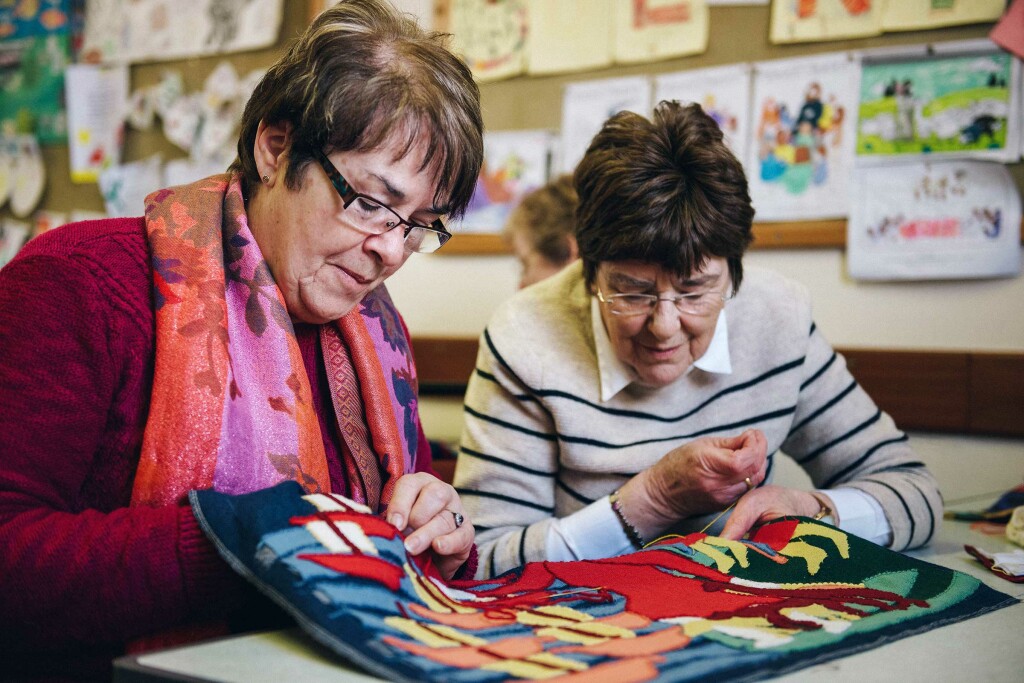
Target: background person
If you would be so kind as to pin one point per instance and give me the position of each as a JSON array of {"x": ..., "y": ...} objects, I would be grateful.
[
  {"x": 230, "y": 338},
  {"x": 540, "y": 230},
  {"x": 647, "y": 388}
]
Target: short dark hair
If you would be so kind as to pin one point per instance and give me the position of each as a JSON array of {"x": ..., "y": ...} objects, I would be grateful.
[
  {"x": 358, "y": 74},
  {"x": 546, "y": 216},
  {"x": 666, "y": 191}
]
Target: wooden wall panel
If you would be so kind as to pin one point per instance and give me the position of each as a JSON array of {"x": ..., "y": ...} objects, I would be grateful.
[
  {"x": 921, "y": 390},
  {"x": 941, "y": 391},
  {"x": 444, "y": 364},
  {"x": 997, "y": 394}
]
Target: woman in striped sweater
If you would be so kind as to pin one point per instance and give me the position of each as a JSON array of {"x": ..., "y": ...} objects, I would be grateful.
[{"x": 643, "y": 391}]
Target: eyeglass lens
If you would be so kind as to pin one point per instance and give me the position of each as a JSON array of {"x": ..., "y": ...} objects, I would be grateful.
[{"x": 369, "y": 215}]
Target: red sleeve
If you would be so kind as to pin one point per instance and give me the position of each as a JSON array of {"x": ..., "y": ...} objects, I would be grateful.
[{"x": 79, "y": 567}]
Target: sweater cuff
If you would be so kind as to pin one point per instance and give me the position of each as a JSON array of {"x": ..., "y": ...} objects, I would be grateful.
[
  {"x": 468, "y": 568},
  {"x": 211, "y": 587}
]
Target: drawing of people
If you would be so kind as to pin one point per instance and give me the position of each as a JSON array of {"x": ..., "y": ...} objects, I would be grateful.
[
  {"x": 904, "y": 111},
  {"x": 811, "y": 109}
]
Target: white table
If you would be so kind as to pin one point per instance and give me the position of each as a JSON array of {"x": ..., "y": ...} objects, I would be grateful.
[{"x": 989, "y": 648}]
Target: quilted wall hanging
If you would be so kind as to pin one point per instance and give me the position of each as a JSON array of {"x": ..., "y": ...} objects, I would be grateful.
[{"x": 690, "y": 608}]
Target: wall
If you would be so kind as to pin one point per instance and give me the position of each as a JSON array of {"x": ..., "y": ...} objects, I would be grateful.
[{"x": 454, "y": 295}]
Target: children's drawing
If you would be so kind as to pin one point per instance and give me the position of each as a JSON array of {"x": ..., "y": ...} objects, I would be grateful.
[
  {"x": 155, "y": 30},
  {"x": 35, "y": 48},
  {"x": 723, "y": 92},
  {"x": 960, "y": 106},
  {"x": 647, "y": 30},
  {"x": 587, "y": 105},
  {"x": 795, "y": 21},
  {"x": 952, "y": 219},
  {"x": 800, "y": 153},
  {"x": 515, "y": 162},
  {"x": 490, "y": 36}
]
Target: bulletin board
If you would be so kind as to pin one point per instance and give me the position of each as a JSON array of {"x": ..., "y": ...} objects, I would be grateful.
[{"x": 737, "y": 34}]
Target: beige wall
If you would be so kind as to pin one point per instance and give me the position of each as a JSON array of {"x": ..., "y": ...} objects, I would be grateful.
[{"x": 454, "y": 295}]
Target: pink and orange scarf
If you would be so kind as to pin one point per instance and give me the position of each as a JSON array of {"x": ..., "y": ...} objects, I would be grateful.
[{"x": 231, "y": 405}]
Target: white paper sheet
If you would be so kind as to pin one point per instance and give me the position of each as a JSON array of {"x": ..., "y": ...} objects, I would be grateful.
[
  {"x": 723, "y": 92},
  {"x": 27, "y": 178},
  {"x": 587, "y": 105},
  {"x": 939, "y": 220},
  {"x": 125, "y": 31},
  {"x": 124, "y": 188},
  {"x": 802, "y": 133},
  {"x": 13, "y": 234},
  {"x": 97, "y": 99}
]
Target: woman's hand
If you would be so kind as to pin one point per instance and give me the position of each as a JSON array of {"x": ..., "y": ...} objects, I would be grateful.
[
  {"x": 430, "y": 514},
  {"x": 699, "y": 477},
  {"x": 768, "y": 503}
]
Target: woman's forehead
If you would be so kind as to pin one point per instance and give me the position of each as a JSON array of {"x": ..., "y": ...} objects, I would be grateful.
[{"x": 642, "y": 272}]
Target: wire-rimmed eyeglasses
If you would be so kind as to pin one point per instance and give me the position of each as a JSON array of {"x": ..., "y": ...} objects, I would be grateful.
[
  {"x": 376, "y": 218},
  {"x": 694, "y": 303}
]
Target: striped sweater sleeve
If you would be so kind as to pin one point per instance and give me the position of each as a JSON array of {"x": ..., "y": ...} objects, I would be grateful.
[
  {"x": 506, "y": 472},
  {"x": 842, "y": 439}
]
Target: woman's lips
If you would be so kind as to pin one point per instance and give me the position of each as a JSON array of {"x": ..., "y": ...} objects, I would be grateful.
[
  {"x": 660, "y": 353},
  {"x": 355, "y": 276}
]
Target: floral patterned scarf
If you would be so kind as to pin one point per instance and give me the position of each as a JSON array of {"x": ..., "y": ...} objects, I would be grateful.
[{"x": 231, "y": 404}]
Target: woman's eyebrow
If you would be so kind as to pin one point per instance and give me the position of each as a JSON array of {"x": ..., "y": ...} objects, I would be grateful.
[
  {"x": 397, "y": 195},
  {"x": 702, "y": 279},
  {"x": 619, "y": 280}
]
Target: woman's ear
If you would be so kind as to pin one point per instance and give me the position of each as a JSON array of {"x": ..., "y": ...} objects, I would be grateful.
[
  {"x": 574, "y": 250},
  {"x": 271, "y": 149}
]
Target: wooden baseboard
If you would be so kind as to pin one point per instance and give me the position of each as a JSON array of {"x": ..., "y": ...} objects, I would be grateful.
[{"x": 941, "y": 391}]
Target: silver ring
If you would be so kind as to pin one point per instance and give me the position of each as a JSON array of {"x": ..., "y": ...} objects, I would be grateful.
[
  {"x": 459, "y": 519},
  {"x": 750, "y": 484}
]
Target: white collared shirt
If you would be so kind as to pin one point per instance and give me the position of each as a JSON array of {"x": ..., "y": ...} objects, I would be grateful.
[
  {"x": 616, "y": 375},
  {"x": 595, "y": 531}
]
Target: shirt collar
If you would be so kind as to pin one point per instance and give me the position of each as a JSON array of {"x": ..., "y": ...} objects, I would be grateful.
[{"x": 616, "y": 375}]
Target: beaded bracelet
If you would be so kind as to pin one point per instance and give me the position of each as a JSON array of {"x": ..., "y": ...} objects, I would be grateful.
[{"x": 631, "y": 531}]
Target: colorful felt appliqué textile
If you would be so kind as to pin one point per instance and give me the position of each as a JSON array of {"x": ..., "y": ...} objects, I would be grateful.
[{"x": 694, "y": 608}]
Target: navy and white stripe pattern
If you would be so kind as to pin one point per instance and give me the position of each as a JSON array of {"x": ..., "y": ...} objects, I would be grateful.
[{"x": 539, "y": 442}]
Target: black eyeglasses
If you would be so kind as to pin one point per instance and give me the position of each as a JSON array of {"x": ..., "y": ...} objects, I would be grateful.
[{"x": 375, "y": 218}]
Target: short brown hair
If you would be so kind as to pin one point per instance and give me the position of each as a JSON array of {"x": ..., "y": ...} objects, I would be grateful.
[
  {"x": 666, "y": 191},
  {"x": 546, "y": 216},
  {"x": 359, "y": 73}
]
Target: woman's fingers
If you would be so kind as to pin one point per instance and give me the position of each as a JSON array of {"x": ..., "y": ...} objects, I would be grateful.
[
  {"x": 441, "y": 533},
  {"x": 430, "y": 513}
]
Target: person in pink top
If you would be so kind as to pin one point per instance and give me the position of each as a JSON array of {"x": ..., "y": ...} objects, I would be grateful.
[{"x": 236, "y": 335}]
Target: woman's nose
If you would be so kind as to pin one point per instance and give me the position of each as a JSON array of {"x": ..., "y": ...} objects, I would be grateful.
[
  {"x": 389, "y": 247},
  {"x": 664, "y": 319}
]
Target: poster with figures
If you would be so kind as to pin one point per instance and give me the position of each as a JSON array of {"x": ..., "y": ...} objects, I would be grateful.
[
  {"x": 515, "y": 162},
  {"x": 127, "y": 31},
  {"x": 934, "y": 220},
  {"x": 935, "y": 104},
  {"x": 587, "y": 105},
  {"x": 723, "y": 92},
  {"x": 801, "y": 148}
]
